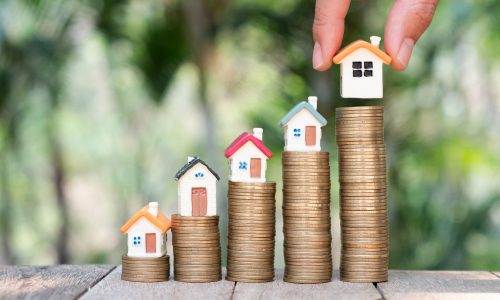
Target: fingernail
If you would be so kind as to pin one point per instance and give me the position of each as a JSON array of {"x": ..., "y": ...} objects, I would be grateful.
[
  {"x": 317, "y": 56},
  {"x": 405, "y": 50}
]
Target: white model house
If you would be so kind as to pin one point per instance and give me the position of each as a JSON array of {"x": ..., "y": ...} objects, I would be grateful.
[
  {"x": 361, "y": 73},
  {"x": 302, "y": 127},
  {"x": 196, "y": 190},
  {"x": 248, "y": 157},
  {"x": 146, "y": 232}
]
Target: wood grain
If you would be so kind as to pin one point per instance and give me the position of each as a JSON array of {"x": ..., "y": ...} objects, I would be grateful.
[
  {"x": 49, "y": 282},
  {"x": 440, "y": 285},
  {"x": 112, "y": 287},
  {"x": 289, "y": 291}
]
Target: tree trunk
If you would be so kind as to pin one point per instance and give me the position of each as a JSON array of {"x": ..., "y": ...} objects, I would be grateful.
[
  {"x": 201, "y": 44},
  {"x": 5, "y": 217},
  {"x": 59, "y": 181}
]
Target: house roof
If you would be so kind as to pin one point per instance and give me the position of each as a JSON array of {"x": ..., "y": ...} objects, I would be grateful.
[
  {"x": 361, "y": 44},
  {"x": 191, "y": 164},
  {"x": 298, "y": 108},
  {"x": 242, "y": 140},
  {"x": 160, "y": 221}
]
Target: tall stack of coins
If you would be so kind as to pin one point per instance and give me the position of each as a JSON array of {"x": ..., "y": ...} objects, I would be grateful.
[
  {"x": 306, "y": 217},
  {"x": 141, "y": 269},
  {"x": 196, "y": 243},
  {"x": 252, "y": 215},
  {"x": 363, "y": 194}
]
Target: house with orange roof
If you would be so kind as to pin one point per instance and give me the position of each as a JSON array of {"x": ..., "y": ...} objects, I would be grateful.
[
  {"x": 361, "y": 69},
  {"x": 146, "y": 232}
]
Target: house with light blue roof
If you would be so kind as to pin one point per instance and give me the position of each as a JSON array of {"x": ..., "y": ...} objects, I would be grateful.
[{"x": 302, "y": 126}]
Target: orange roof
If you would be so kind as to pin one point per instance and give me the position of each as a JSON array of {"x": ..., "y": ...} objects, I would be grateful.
[
  {"x": 161, "y": 221},
  {"x": 361, "y": 44}
]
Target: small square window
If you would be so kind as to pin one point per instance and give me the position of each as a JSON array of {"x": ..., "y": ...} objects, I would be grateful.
[
  {"x": 368, "y": 65},
  {"x": 368, "y": 73},
  {"x": 356, "y": 65},
  {"x": 357, "y": 73}
]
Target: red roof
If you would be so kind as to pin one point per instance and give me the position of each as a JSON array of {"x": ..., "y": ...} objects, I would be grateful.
[{"x": 242, "y": 140}]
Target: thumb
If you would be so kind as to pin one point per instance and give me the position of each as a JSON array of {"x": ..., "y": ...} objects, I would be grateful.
[
  {"x": 407, "y": 21},
  {"x": 328, "y": 31}
]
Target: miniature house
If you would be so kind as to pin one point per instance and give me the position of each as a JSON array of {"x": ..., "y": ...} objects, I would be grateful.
[
  {"x": 361, "y": 69},
  {"x": 196, "y": 189},
  {"x": 248, "y": 157},
  {"x": 302, "y": 127},
  {"x": 146, "y": 232}
]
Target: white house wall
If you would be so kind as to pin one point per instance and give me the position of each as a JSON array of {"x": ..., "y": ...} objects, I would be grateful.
[
  {"x": 140, "y": 228},
  {"x": 301, "y": 120},
  {"x": 244, "y": 154},
  {"x": 361, "y": 87},
  {"x": 189, "y": 181}
]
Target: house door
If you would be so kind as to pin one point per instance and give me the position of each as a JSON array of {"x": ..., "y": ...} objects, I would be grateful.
[
  {"x": 150, "y": 242},
  {"x": 255, "y": 167},
  {"x": 199, "y": 202},
  {"x": 310, "y": 135}
]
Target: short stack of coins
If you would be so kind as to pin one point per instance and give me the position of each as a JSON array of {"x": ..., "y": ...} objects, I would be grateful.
[
  {"x": 252, "y": 215},
  {"x": 154, "y": 269},
  {"x": 306, "y": 217},
  {"x": 363, "y": 194},
  {"x": 197, "y": 251}
]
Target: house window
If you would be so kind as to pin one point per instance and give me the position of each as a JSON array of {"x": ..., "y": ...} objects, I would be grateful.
[
  {"x": 296, "y": 132},
  {"x": 199, "y": 175},
  {"x": 362, "y": 69},
  {"x": 243, "y": 165},
  {"x": 137, "y": 240}
]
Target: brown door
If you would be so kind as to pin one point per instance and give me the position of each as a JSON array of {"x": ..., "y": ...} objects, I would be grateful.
[
  {"x": 310, "y": 135},
  {"x": 199, "y": 202},
  {"x": 255, "y": 167},
  {"x": 150, "y": 242}
]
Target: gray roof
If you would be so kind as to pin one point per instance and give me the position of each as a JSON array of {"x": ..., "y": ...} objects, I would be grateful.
[
  {"x": 191, "y": 164},
  {"x": 298, "y": 108}
]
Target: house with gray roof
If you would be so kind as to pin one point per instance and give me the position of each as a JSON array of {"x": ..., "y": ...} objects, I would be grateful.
[
  {"x": 196, "y": 189},
  {"x": 302, "y": 126}
]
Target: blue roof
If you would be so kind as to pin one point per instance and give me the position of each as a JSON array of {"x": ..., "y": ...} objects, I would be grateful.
[{"x": 298, "y": 108}]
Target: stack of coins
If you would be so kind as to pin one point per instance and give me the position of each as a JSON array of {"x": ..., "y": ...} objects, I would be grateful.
[
  {"x": 196, "y": 243},
  {"x": 306, "y": 217},
  {"x": 363, "y": 194},
  {"x": 153, "y": 269},
  {"x": 252, "y": 215}
]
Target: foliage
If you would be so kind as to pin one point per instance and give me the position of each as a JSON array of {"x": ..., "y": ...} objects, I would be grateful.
[{"x": 101, "y": 102}]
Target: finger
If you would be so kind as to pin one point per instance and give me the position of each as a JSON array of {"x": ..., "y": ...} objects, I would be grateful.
[
  {"x": 328, "y": 30},
  {"x": 407, "y": 21}
]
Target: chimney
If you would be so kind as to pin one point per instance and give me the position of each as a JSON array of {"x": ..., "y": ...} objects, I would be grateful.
[
  {"x": 375, "y": 40},
  {"x": 313, "y": 100},
  {"x": 257, "y": 132},
  {"x": 190, "y": 158},
  {"x": 153, "y": 208}
]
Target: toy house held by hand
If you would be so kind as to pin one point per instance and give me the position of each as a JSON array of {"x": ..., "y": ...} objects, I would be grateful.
[
  {"x": 361, "y": 73},
  {"x": 302, "y": 126},
  {"x": 196, "y": 189},
  {"x": 146, "y": 232},
  {"x": 248, "y": 157}
]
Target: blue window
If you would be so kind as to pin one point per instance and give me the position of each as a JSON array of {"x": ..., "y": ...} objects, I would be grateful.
[
  {"x": 199, "y": 175},
  {"x": 296, "y": 132},
  {"x": 243, "y": 165},
  {"x": 137, "y": 240}
]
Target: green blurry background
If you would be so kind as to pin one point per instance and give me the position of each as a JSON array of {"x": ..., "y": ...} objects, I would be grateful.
[{"x": 102, "y": 101}]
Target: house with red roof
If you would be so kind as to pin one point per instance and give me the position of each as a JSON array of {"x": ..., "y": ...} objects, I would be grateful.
[
  {"x": 248, "y": 157},
  {"x": 361, "y": 69},
  {"x": 146, "y": 232}
]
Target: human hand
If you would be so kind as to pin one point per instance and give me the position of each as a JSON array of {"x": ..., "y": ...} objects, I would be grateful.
[{"x": 407, "y": 21}]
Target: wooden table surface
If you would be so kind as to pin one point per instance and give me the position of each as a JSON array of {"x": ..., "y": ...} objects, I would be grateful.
[{"x": 103, "y": 282}]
